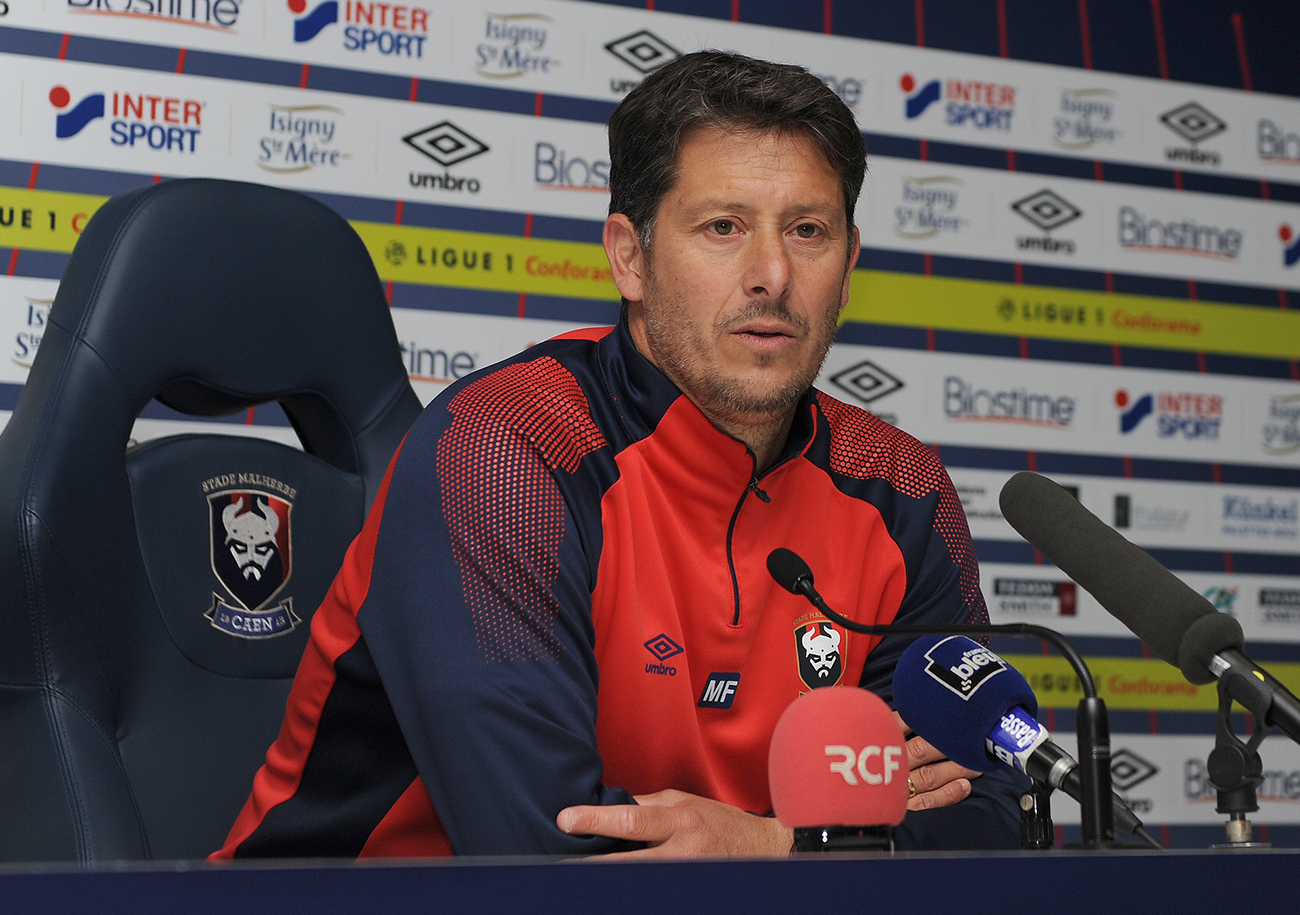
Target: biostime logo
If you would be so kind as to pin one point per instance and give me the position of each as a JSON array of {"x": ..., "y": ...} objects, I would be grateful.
[
  {"x": 983, "y": 106},
  {"x": 555, "y": 168},
  {"x": 1048, "y": 210},
  {"x": 963, "y": 401},
  {"x": 1193, "y": 123},
  {"x": 383, "y": 28},
  {"x": 1274, "y": 143},
  {"x": 213, "y": 14},
  {"x": 154, "y": 121},
  {"x": 1187, "y": 236},
  {"x": 1177, "y": 414},
  {"x": 1290, "y": 245}
]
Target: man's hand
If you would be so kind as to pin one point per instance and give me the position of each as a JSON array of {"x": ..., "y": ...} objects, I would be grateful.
[
  {"x": 938, "y": 781},
  {"x": 680, "y": 825}
]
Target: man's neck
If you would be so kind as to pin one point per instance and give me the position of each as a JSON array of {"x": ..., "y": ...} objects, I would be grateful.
[{"x": 765, "y": 437}]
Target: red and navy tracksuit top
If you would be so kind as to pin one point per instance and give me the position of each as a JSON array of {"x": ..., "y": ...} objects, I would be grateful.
[{"x": 560, "y": 597}]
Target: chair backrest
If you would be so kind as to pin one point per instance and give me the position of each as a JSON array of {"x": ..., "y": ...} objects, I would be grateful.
[{"x": 155, "y": 599}]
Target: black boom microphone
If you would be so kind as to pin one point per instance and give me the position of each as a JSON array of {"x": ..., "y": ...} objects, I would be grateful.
[{"x": 1179, "y": 625}]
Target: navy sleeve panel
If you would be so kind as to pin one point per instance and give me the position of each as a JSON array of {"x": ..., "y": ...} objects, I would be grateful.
[
  {"x": 479, "y": 612},
  {"x": 982, "y": 821}
]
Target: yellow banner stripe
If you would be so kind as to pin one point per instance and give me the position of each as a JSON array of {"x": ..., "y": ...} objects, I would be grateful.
[
  {"x": 51, "y": 221},
  {"x": 1129, "y": 683},
  {"x": 474, "y": 260},
  {"x": 979, "y": 306}
]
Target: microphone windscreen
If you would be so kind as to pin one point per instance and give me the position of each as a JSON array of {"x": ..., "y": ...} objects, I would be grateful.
[
  {"x": 838, "y": 758},
  {"x": 786, "y": 567},
  {"x": 954, "y": 692},
  {"x": 1134, "y": 588}
]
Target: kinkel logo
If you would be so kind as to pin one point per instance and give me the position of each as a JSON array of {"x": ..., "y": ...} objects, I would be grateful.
[
  {"x": 1048, "y": 210},
  {"x": 1290, "y": 245},
  {"x": 1194, "y": 123},
  {"x": 983, "y": 106},
  {"x": 72, "y": 122},
  {"x": 307, "y": 27}
]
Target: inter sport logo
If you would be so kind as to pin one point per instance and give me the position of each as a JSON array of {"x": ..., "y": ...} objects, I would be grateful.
[
  {"x": 1290, "y": 245},
  {"x": 920, "y": 99},
  {"x": 73, "y": 121},
  {"x": 307, "y": 27}
]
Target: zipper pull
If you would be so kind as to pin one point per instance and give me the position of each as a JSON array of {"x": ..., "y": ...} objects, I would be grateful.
[{"x": 754, "y": 488}]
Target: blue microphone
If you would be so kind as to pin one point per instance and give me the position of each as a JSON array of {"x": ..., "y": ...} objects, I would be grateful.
[{"x": 980, "y": 712}]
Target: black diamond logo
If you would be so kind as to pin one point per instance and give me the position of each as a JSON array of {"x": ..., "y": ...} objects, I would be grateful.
[
  {"x": 1192, "y": 122},
  {"x": 1047, "y": 210},
  {"x": 866, "y": 381},
  {"x": 1128, "y": 770},
  {"x": 446, "y": 144},
  {"x": 643, "y": 51},
  {"x": 663, "y": 647}
]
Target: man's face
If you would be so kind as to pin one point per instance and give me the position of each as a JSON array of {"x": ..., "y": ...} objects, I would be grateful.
[{"x": 749, "y": 268}]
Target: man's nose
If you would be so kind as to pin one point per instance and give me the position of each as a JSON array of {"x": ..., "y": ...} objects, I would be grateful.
[{"x": 768, "y": 268}]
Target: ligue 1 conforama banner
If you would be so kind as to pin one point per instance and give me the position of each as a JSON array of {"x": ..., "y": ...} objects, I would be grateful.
[{"x": 465, "y": 143}]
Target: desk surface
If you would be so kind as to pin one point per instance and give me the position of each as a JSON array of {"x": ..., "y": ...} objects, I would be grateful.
[{"x": 1059, "y": 882}]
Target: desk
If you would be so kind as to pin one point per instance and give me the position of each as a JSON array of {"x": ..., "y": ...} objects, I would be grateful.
[{"x": 1058, "y": 882}]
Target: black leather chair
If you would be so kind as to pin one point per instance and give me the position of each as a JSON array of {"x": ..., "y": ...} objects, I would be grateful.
[{"x": 155, "y": 599}]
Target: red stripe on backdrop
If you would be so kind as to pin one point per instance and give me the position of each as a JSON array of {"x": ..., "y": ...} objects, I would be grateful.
[
  {"x": 180, "y": 61},
  {"x": 63, "y": 48},
  {"x": 302, "y": 81},
  {"x": 1241, "y": 51},
  {"x": 920, "y": 23},
  {"x": 1085, "y": 34},
  {"x": 826, "y": 16},
  {"x": 1002, "y": 29},
  {"x": 1159, "y": 22}
]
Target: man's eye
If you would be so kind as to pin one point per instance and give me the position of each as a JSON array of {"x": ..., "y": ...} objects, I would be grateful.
[
  {"x": 807, "y": 230},
  {"x": 723, "y": 226}
]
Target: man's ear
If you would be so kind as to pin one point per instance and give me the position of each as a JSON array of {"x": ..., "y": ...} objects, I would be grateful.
[
  {"x": 854, "y": 250},
  {"x": 626, "y": 259}
]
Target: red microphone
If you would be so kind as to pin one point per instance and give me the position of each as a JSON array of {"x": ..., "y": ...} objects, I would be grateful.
[{"x": 837, "y": 769}]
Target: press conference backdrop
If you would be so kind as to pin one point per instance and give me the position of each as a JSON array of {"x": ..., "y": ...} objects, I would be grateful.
[{"x": 1080, "y": 230}]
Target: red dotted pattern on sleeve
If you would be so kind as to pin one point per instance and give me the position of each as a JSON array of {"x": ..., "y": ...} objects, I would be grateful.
[
  {"x": 503, "y": 508},
  {"x": 864, "y": 447}
]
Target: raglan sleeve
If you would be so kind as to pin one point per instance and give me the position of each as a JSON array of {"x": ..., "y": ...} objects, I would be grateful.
[
  {"x": 479, "y": 613},
  {"x": 943, "y": 589}
]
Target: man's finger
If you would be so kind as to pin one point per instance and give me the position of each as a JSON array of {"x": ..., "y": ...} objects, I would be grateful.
[
  {"x": 618, "y": 821},
  {"x": 951, "y": 793},
  {"x": 936, "y": 775}
]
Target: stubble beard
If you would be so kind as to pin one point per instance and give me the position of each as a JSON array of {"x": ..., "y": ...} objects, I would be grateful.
[{"x": 688, "y": 358}]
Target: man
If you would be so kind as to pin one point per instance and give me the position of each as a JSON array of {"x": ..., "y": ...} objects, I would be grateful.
[{"x": 522, "y": 651}]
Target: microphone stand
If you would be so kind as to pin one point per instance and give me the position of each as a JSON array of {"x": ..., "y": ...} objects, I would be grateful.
[
  {"x": 1092, "y": 724},
  {"x": 1235, "y": 772}
]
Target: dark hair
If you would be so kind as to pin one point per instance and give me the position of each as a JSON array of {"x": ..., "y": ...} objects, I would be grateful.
[{"x": 714, "y": 89}]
